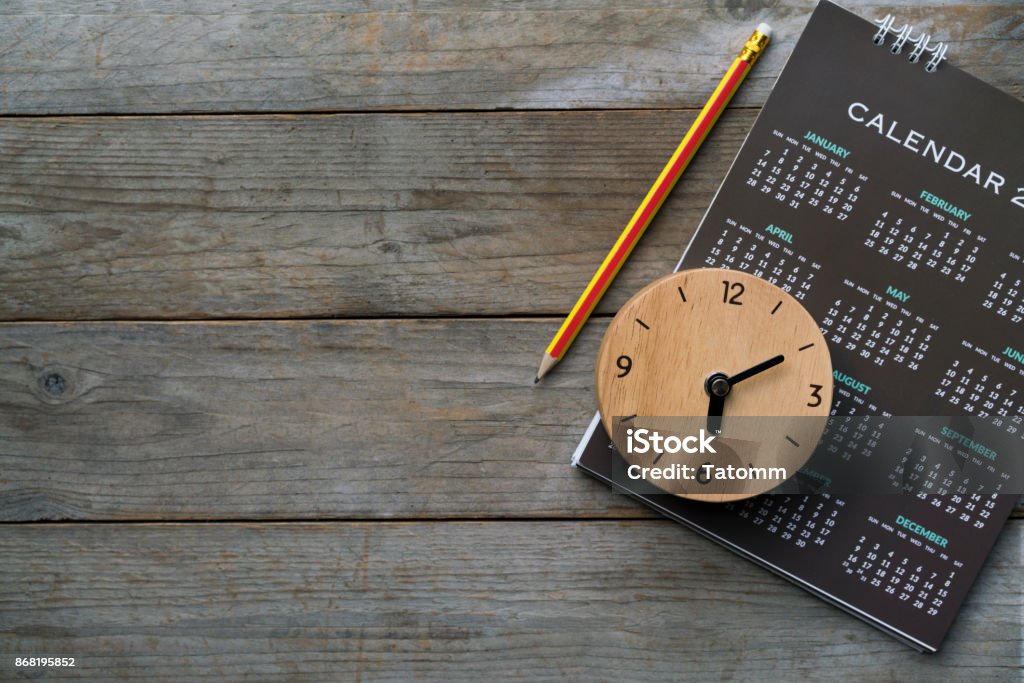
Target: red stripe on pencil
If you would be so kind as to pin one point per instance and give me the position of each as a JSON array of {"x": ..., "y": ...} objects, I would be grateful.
[
  {"x": 652, "y": 202},
  {"x": 661, "y": 189}
]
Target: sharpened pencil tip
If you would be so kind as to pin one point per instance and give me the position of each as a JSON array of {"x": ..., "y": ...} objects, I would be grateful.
[{"x": 546, "y": 364}]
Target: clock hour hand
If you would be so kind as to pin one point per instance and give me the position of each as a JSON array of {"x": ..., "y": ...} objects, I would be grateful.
[
  {"x": 718, "y": 387},
  {"x": 715, "y": 407},
  {"x": 757, "y": 369}
]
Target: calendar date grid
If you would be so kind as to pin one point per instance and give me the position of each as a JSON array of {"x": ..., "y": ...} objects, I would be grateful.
[{"x": 795, "y": 174}]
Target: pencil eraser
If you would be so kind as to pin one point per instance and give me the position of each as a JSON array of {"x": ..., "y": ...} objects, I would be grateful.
[{"x": 765, "y": 29}]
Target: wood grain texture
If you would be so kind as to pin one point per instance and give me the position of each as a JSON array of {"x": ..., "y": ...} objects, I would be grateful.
[
  {"x": 456, "y": 602},
  {"x": 131, "y": 57},
  {"x": 348, "y": 215},
  {"x": 284, "y": 420},
  {"x": 279, "y": 420}
]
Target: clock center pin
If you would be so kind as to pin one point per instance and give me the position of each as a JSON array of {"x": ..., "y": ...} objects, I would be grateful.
[{"x": 717, "y": 384}]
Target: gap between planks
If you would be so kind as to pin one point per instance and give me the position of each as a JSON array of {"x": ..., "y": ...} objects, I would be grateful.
[
  {"x": 510, "y": 317},
  {"x": 242, "y": 521},
  {"x": 256, "y": 113},
  {"x": 1017, "y": 514}
]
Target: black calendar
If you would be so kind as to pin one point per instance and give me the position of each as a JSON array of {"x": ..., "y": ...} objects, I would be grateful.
[{"x": 884, "y": 189}]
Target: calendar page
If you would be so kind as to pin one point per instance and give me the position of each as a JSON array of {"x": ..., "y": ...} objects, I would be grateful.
[{"x": 890, "y": 202}]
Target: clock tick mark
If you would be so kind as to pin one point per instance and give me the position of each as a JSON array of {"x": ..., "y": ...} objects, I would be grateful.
[
  {"x": 642, "y": 324},
  {"x": 776, "y": 307},
  {"x": 805, "y": 347},
  {"x": 792, "y": 442},
  {"x": 682, "y": 294},
  {"x": 627, "y": 418}
]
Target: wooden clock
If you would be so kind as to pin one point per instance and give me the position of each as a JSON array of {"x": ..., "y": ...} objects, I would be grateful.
[{"x": 713, "y": 349}]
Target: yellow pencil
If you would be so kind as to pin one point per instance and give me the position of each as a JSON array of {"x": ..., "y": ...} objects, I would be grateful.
[{"x": 655, "y": 198}]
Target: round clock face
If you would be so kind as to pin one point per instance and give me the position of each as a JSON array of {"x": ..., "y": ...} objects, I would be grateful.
[{"x": 724, "y": 352}]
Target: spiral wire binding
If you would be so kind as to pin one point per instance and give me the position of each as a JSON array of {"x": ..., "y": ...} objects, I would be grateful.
[{"x": 905, "y": 34}]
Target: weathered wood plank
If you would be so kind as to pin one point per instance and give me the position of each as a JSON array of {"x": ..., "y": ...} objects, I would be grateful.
[
  {"x": 348, "y": 215},
  {"x": 455, "y": 601},
  {"x": 283, "y": 420},
  {"x": 130, "y": 57},
  {"x": 273, "y": 420}
]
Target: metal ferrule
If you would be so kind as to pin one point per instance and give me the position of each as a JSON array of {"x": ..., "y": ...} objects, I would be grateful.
[{"x": 754, "y": 47}]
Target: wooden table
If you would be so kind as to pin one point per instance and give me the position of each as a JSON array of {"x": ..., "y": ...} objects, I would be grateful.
[{"x": 274, "y": 281}]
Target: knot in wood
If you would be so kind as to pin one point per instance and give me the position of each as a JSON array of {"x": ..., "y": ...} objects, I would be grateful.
[{"x": 54, "y": 384}]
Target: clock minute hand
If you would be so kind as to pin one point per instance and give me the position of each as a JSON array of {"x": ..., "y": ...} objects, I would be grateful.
[
  {"x": 718, "y": 387},
  {"x": 757, "y": 369}
]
